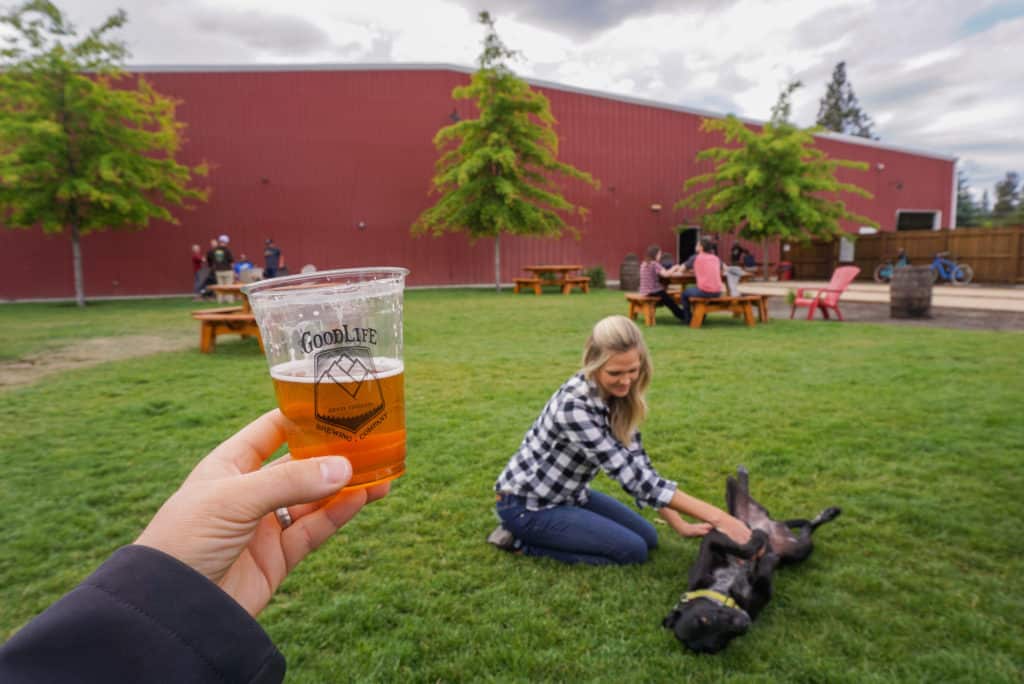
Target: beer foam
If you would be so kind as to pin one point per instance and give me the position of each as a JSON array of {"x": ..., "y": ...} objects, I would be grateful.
[{"x": 302, "y": 370}]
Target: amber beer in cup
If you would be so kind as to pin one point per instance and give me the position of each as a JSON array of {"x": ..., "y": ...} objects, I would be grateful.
[{"x": 333, "y": 341}]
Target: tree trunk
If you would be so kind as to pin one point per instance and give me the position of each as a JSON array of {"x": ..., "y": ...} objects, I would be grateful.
[
  {"x": 497, "y": 262},
  {"x": 76, "y": 259}
]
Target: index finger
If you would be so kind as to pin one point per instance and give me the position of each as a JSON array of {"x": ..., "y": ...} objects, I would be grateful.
[{"x": 247, "y": 449}]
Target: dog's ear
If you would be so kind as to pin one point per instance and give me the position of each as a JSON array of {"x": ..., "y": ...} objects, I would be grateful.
[{"x": 671, "y": 619}]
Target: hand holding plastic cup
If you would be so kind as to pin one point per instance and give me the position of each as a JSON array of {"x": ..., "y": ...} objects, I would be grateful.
[{"x": 333, "y": 341}]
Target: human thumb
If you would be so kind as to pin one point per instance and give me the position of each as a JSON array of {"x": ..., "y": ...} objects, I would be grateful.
[{"x": 294, "y": 482}]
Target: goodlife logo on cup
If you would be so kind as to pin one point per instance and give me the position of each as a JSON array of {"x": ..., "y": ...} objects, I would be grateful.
[
  {"x": 346, "y": 373},
  {"x": 310, "y": 341}
]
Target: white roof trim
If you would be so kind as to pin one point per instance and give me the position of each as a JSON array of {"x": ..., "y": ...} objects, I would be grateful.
[{"x": 228, "y": 68}]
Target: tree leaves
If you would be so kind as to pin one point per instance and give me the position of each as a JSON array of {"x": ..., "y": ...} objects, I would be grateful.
[
  {"x": 495, "y": 173},
  {"x": 772, "y": 184},
  {"x": 83, "y": 146}
]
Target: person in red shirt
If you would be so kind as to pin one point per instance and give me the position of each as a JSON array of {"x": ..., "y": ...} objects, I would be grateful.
[
  {"x": 707, "y": 267},
  {"x": 199, "y": 274}
]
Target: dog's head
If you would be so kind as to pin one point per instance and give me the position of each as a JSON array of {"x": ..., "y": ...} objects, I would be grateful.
[{"x": 704, "y": 625}]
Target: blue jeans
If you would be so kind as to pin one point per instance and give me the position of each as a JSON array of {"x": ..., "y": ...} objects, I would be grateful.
[
  {"x": 670, "y": 304},
  {"x": 602, "y": 532},
  {"x": 694, "y": 291}
]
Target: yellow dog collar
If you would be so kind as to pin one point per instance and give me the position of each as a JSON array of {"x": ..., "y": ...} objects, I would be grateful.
[{"x": 718, "y": 597}]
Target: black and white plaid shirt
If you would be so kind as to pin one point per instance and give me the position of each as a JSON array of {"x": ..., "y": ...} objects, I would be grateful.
[{"x": 567, "y": 446}]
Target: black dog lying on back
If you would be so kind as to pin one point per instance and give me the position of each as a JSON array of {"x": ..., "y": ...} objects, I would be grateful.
[{"x": 729, "y": 584}]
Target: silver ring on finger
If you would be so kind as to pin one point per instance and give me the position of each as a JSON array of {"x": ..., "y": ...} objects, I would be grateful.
[{"x": 284, "y": 517}]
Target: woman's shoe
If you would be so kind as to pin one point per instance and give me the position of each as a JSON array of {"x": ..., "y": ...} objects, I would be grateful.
[{"x": 502, "y": 538}]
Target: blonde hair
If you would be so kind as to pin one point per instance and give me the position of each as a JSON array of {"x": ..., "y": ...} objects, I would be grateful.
[{"x": 616, "y": 335}]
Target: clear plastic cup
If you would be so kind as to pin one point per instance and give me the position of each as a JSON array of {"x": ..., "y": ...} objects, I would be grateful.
[{"x": 333, "y": 341}]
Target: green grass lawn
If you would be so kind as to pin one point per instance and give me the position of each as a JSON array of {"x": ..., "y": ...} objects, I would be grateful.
[{"x": 916, "y": 433}]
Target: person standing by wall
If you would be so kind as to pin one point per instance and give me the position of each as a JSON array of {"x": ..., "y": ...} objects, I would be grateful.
[
  {"x": 200, "y": 271},
  {"x": 272, "y": 259},
  {"x": 221, "y": 260}
]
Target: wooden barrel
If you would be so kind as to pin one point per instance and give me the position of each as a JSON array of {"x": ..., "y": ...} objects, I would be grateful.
[
  {"x": 910, "y": 292},
  {"x": 629, "y": 273}
]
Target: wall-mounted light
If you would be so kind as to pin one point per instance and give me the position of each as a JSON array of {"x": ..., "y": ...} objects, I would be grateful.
[
  {"x": 655, "y": 207},
  {"x": 454, "y": 116},
  {"x": 264, "y": 180},
  {"x": 361, "y": 225},
  {"x": 880, "y": 166}
]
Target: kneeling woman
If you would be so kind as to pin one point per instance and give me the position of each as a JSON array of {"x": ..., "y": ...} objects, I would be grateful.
[{"x": 590, "y": 424}]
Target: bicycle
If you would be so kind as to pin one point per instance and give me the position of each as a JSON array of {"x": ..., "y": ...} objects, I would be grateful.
[
  {"x": 950, "y": 271},
  {"x": 883, "y": 272}
]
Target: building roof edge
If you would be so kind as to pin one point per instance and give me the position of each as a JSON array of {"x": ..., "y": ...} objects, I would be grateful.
[{"x": 444, "y": 66}]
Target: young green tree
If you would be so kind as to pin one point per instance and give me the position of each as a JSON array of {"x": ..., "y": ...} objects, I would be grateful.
[
  {"x": 839, "y": 110},
  {"x": 772, "y": 184},
  {"x": 495, "y": 173},
  {"x": 80, "y": 149}
]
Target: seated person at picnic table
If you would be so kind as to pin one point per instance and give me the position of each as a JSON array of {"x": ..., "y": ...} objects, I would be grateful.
[
  {"x": 707, "y": 268},
  {"x": 650, "y": 285},
  {"x": 243, "y": 264},
  {"x": 179, "y": 604},
  {"x": 544, "y": 500},
  {"x": 741, "y": 256}
]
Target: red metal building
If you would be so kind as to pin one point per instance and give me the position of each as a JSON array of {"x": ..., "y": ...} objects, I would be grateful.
[{"x": 335, "y": 162}]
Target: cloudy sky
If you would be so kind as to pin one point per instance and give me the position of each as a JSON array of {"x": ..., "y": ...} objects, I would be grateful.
[{"x": 940, "y": 75}]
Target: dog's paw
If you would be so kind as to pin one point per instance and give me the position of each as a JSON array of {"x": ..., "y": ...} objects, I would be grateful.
[{"x": 830, "y": 513}]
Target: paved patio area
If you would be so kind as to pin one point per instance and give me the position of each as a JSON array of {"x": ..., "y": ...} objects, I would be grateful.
[
  {"x": 970, "y": 307},
  {"x": 977, "y": 297}
]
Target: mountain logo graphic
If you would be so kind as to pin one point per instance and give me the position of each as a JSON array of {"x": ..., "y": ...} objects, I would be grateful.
[{"x": 346, "y": 393}]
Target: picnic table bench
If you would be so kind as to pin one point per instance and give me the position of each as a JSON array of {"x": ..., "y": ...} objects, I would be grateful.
[
  {"x": 522, "y": 283},
  {"x": 644, "y": 304},
  {"x": 230, "y": 320},
  {"x": 742, "y": 305}
]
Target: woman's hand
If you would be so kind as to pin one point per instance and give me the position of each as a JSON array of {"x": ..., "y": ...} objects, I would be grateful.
[
  {"x": 683, "y": 528},
  {"x": 221, "y": 521},
  {"x": 733, "y": 528},
  {"x": 712, "y": 515},
  {"x": 694, "y": 529}
]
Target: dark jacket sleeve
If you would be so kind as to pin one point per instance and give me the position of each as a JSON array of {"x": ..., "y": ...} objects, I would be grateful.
[{"x": 143, "y": 616}]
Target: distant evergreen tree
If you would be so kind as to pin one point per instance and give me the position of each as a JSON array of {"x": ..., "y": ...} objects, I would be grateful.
[
  {"x": 968, "y": 213},
  {"x": 1007, "y": 198},
  {"x": 782, "y": 108},
  {"x": 839, "y": 110}
]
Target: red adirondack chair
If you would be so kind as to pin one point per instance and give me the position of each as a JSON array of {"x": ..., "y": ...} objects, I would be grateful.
[{"x": 828, "y": 297}]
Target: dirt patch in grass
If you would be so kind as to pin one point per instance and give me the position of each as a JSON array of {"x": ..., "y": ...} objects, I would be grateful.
[{"x": 91, "y": 352}]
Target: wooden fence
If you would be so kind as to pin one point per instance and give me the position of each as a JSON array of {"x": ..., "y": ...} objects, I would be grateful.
[{"x": 996, "y": 254}]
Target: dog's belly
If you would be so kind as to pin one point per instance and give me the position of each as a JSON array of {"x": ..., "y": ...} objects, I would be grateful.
[{"x": 733, "y": 580}]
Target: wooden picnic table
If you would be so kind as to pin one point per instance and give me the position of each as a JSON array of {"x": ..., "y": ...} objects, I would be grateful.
[
  {"x": 230, "y": 320},
  {"x": 553, "y": 274},
  {"x": 689, "y": 278},
  {"x": 233, "y": 289}
]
